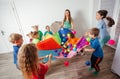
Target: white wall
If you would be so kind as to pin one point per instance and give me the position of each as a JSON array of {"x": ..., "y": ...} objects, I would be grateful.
[
  {"x": 8, "y": 25},
  {"x": 95, "y": 6},
  {"x": 45, "y": 12}
]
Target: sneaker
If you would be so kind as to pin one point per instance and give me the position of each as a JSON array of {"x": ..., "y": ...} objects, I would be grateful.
[
  {"x": 96, "y": 73},
  {"x": 90, "y": 69}
]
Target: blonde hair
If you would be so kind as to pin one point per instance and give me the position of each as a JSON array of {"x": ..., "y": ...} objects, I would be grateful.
[
  {"x": 28, "y": 60},
  {"x": 14, "y": 37},
  {"x": 35, "y": 27},
  {"x": 33, "y": 34}
]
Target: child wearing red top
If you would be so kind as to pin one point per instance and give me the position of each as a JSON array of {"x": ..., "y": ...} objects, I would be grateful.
[
  {"x": 42, "y": 71},
  {"x": 29, "y": 62}
]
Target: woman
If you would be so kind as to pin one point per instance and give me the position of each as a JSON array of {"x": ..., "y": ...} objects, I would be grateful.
[{"x": 67, "y": 22}]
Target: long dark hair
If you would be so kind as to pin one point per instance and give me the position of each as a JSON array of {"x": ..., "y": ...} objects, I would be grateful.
[
  {"x": 69, "y": 18},
  {"x": 109, "y": 19}
]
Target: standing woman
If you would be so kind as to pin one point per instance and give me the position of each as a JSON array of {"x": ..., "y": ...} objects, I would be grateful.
[{"x": 67, "y": 22}]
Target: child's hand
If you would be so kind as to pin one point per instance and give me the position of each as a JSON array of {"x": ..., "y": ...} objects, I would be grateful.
[
  {"x": 86, "y": 33},
  {"x": 50, "y": 56},
  {"x": 82, "y": 50},
  {"x": 46, "y": 56},
  {"x": 72, "y": 29}
]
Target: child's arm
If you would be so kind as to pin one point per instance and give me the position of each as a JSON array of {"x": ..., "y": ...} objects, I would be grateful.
[
  {"x": 86, "y": 34},
  {"x": 61, "y": 25},
  {"x": 89, "y": 49},
  {"x": 41, "y": 58},
  {"x": 49, "y": 61}
]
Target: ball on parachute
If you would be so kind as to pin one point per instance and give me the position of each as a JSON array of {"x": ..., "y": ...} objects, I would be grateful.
[
  {"x": 74, "y": 32},
  {"x": 55, "y": 50},
  {"x": 88, "y": 39},
  {"x": 68, "y": 35},
  {"x": 87, "y": 43}
]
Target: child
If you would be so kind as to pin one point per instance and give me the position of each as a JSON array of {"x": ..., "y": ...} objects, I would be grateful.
[
  {"x": 30, "y": 36},
  {"x": 35, "y": 37},
  {"x": 17, "y": 40},
  {"x": 97, "y": 52},
  {"x": 67, "y": 22},
  {"x": 48, "y": 30},
  {"x": 35, "y": 28},
  {"x": 70, "y": 43},
  {"x": 72, "y": 39},
  {"x": 29, "y": 62},
  {"x": 104, "y": 35}
]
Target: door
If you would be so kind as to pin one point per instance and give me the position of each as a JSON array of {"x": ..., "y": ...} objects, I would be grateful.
[
  {"x": 8, "y": 25},
  {"x": 116, "y": 61}
]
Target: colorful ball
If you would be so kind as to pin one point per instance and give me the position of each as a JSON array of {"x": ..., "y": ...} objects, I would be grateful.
[
  {"x": 62, "y": 52},
  {"x": 61, "y": 29},
  {"x": 68, "y": 35},
  {"x": 74, "y": 32},
  {"x": 74, "y": 49},
  {"x": 55, "y": 50},
  {"x": 87, "y": 63},
  {"x": 65, "y": 55},
  {"x": 62, "y": 42},
  {"x": 88, "y": 39},
  {"x": 64, "y": 39},
  {"x": 111, "y": 42},
  {"x": 63, "y": 35},
  {"x": 68, "y": 50},
  {"x": 66, "y": 63},
  {"x": 87, "y": 43},
  {"x": 74, "y": 45}
]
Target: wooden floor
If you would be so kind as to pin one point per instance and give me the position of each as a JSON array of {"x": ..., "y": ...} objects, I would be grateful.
[{"x": 76, "y": 69}]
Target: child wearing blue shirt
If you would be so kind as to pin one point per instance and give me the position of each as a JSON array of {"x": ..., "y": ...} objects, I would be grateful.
[
  {"x": 48, "y": 31},
  {"x": 17, "y": 40},
  {"x": 104, "y": 35},
  {"x": 97, "y": 52}
]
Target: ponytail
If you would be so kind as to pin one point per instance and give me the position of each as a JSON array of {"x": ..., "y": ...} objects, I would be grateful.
[{"x": 110, "y": 21}]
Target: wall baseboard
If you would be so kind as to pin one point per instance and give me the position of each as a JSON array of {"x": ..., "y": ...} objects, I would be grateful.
[
  {"x": 111, "y": 46},
  {"x": 6, "y": 52}
]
